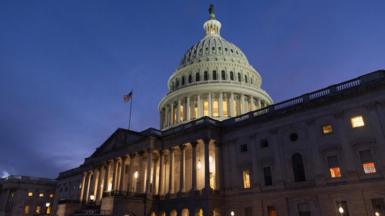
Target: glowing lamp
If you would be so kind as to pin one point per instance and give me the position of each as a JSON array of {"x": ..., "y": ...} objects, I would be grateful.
[
  {"x": 92, "y": 197},
  {"x": 232, "y": 213},
  {"x": 341, "y": 210},
  {"x": 199, "y": 165},
  {"x": 136, "y": 174},
  {"x": 47, "y": 204}
]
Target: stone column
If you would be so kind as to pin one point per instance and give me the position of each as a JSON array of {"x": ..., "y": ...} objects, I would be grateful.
[
  {"x": 149, "y": 164},
  {"x": 83, "y": 187},
  {"x": 113, "y": 164},
  {"x": 171, "y": 174},
  {"x": 199, "y": 104},
  {"x": 172, "y": 113},
  {"x": 252, "y": 103},
  {"x": 154, "y": 174},
  {"x": 210, "y": 105},
  {"x": 194, "y": 165},
  {"x": 182, "y": 168},
  {"x": 88, "y": 185},
  {"x": 130, "y": 169},
  {"x": 178, "y": 112},
  {"x": 122, "y": 173},
  {"x": 96, "y": 184},
  {"x": 160, "y": 172},
  {"x": 188, "y": 109},
  {"x": 106, "y": 175},
  {"x": 242, "y": 103},
  {"x": 207, "y": 164},
  {"x": 220, "y": 104},
  {"x": 231, "y": 101}
]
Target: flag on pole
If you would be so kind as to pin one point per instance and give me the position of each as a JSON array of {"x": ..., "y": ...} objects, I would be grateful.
[{"x": 127, "y": 97}]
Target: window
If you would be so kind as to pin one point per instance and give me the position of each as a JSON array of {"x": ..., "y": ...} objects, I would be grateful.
[
  {"x": 246, "y": 179},
  {"x": 298, "y": 168},
  {"x": 215, "y": 75},
  {"x": 190, "y": 79},
  {"x": 223, "y": 74},
  {"x": 367, "y": 162},
  {"x": 231, "y": 75},
  {"x": 26, "y": 209},
  {"x": 271, "y": 211},
  {"x": 378, "y": 206},
  {"x": 37, "y": 209},
  {"x": 239, "y": 77},
  {"x": 206, "y": 75},
  {"x": 357, "y": 121},
  {"x": 30, "y": 194},
  {"x": 245, "y": 78},
  {"x": 41, "y": 194},
  {"x": 177, "y": 83},
  {"x": 215, "y": 107},
  {"x": 183, "y": 81},
  {"x": 225, "y": 108},
  {"x": 327, "y": 129},
  {"x": 244, "y": 148},
  {"x": 334, "y": 168},
  {"x": 248, "y": 211},
  {"x": 267, "y": 176},
  {"x": 197, "y": 77},
  {"x": 342, "y": 208},
  {"x": 293, "y": 137},
  {"x": 304, "y": 209},
  {"x": 206, "y": 108},
  {"x": 264, "y": 143}
]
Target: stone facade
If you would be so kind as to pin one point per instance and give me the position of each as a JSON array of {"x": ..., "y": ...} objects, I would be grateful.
[
  {"x": 305, "y": 156},
  {"x": 22, "y": 195}
]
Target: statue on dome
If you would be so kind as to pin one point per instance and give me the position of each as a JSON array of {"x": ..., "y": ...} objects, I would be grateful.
[{"x": 211, "y": 11}]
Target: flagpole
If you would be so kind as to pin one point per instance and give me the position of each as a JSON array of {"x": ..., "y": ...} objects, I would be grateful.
[{"x": 129, "y": 121}]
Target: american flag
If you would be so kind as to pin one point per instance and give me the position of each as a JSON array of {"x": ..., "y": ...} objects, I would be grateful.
[{"x": 127, "y": 97}]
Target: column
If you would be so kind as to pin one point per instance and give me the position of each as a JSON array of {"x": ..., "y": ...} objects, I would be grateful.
[
  {"x": 171, "y": 176},
  {"x": 194, "y": 165},
  {"x": 167, "y": 115},
  {"x": 96, "y": 183},
  {"x": 88, "y": 186},
  {"x": 259, "y": 103},
  {"x": 242, "y": 103},
  {"x": 182, "y": 169},
  {"x": 122, "y": 173},
  {"x": 231, "y": 104},
  {"x": 160, "y": 172},
  {"x": 188, "y": 110},
  {"x": 102, "y": 182},
  {"x": 207, "y": 164},
  {"x": 220, "y": 104},
  {"x": 154, "y": 174},
  {"x": 130, "y": 169},
  {"x": 252, "y": 103},
  {"x": 210, "y": 105},
  {"x": 83, "y": 186},
  {"x": 199, "y": 104},
  {"x": 106, "y": 177},
  {"x": 178, "y": 112},
  {"x": 113, "y": 175},
  {"x": 149, "y": 164}
]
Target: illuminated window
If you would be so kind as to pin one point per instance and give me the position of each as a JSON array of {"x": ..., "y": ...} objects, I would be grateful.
[
  {"x": 271, "y": 211},
  {"x": 38, "y": 210},
  {"x": 327, "y": 129},
  {"x": 357, "y": 121},
  {"x": 215, "y": 107},
  {"x": 181, "y": 113},
  {"x": 367, "y": 162},
  {"x": 41, "y": 195},
  {"x": 48, "y": 210},
  {"x": 26, "y": 209},
  {"x": 206, "y": 108},
  {"x": 30, "y": 194},
  {"x": 334, "y": 168},
  {"x": 246, "y": 179},
  {"x": 51, "y": 196}
]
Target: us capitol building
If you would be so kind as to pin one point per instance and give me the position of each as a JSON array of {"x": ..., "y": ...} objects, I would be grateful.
[{"x": 224, "y": 148}]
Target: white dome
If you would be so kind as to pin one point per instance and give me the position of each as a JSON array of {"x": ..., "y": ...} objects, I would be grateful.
[{"x": 215, "y": 79}]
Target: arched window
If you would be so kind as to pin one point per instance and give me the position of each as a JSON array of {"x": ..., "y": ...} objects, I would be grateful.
[
  {"x": 215, "y": 75},
  {"x": 223, "y": 75},
  {"x": 177, "y": 83},
  {"x": 245, "y": 78},
  {"x": 183, "y": 81},
  {"x": 206, "y": 76},
  {"x": 231, "y": 75},
  {"x": 298, "y": 168},
  {"x": 190, "y": 79},
  {"x": 239, "y": 77},
  {"x": 197, "y": 77}
]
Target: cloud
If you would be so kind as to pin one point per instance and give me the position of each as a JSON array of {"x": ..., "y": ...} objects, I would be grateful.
[{"x": 4, "y": 174}]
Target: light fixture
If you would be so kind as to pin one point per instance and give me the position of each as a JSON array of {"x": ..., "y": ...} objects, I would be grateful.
[
  {"x": 92, "y": 197},
  {"x": 199, "y": 164},
  {"x": 136, "y": 174},
  {"x": 341, "y": 210},
  {"x": 377, "y": 213},
  {"x": 232, "y": 213},
  {"x": 47, "y": 204},
  {"x": 211, "y": 159}
]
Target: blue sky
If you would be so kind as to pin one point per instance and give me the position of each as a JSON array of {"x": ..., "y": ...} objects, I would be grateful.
[{"x": 64, "y": 65}]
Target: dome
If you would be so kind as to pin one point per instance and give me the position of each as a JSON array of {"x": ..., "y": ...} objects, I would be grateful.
[{"x": 214, "y": 79}]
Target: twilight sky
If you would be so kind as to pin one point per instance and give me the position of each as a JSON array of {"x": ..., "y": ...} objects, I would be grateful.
[{"x": 64, "y": 65}]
